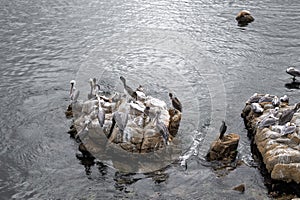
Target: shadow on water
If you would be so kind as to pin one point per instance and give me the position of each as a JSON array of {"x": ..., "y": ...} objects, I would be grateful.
[{"x": 293, "y": 85}]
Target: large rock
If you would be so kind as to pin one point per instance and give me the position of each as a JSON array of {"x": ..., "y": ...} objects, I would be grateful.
[
  {"x": 140, "y": 135},
  {"x": 224, "y": 149},
  {"x": 280, "y": 152}
]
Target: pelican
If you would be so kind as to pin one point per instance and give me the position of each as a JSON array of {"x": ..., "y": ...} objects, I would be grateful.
[
  {"x": 257, "y": 108},
  {"x": 175, "y": 102},
  {"x": 293, "y": 72},
  {"x": 128, "y": 89},
  {"x": 274, "y": 112},
  {"x": 96, "y": 86},
  {"x": 254, "y": 98},
  {"x": 288, "y": 128},
  {"x": 120, "y": 119},
  {"x": 162, "y": 128},
  {"x": 267, "y": 121},
  {"x": 275, "y": 101},
  {"x": 223, "y": 129},
  {"x": 266, "y": 98},
  {"x": 74, "y": 93},
  {"x": 285, "y": 99},
  {"x": 91, "y": 94},
  {"x": 101, "y": 113},
  {"x": 287, "y": 115}
]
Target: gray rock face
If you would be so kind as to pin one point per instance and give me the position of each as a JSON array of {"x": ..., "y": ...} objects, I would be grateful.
[{"x": 278, "y": 144}]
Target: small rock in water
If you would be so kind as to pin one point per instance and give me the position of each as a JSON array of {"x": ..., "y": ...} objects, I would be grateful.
[{"x": 240, "y": 188}]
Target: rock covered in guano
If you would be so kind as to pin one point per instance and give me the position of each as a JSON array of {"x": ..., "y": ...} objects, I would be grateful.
[
  {"x": 132, "y": 121},
  {"x": 274, "y": 126}
]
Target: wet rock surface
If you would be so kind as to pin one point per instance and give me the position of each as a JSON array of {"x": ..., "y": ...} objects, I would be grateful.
[{"x": 272, "y": 125}]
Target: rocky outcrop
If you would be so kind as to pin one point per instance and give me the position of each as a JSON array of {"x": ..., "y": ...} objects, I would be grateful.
[
  {"x": 244, "y": 17},
  {"x": 273, "y": 127},
  {"x": 120, "y": 127},
  {"x": 224, "y": 149}
]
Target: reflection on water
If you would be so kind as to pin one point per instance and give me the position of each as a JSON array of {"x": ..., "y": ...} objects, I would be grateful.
[{"x": 192, "y": 48}]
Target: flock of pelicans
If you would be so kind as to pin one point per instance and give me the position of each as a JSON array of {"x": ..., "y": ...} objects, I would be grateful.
[
  {"x": 280, "y": 121},
  {"x": 118, "y": 118}
]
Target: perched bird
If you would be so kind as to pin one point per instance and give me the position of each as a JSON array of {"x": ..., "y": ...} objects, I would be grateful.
[
  {"x": 162, "y": 128},
  {"x": 175, "y": 102},
  {"x": 128, "y": 89},
  {"x": 287, "y": 115},
  {"x": 274, "y": 112},
  {"x": 284, "y": 99},
  {"x": 96, "y": 86},
  {"x": 74, "y": 93},
  {"x": 254, "y": 98},
  {"x": 294, "y": 72},
  {"x": 267, "y": 121},
  {"x": 101, "y": 113},
  {"x": 288, "y": 128},
  {"x": 120, "y": 119},
  {"x": 276, "y": 101},
  {"x": 223, "y": 129},
  {"x": 244, "y": 17},
  {"x": 91, "y": 94},
  {"x": 256, "y": 107},
  {"x": 266, "y": 98}
]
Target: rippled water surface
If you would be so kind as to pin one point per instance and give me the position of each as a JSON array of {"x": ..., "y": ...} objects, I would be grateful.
[{"x": 192, "y": 48}]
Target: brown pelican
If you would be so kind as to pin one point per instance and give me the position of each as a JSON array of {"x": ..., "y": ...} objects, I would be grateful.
[
  {"x": 287, "y": 115},
  {"x": 128, "y": 89},
  {"x": 276, "y": 101},
  {"x": 244, "y": 17},
  {"x": 256, "y": 107},
  {"x": 288, "y": 128},
  {"x": 96, "y": 86},
  {"x": 91, "y": 94},
  {"x": 162, "y": 128},
  {"x": 284, "y": 99},
  {"x": 120, "y": 119},
  {"x": 175, "y": 102},
  {"x": 101, "y": 113},
  {"x": 267, "y": 121},
  {"x": 223, "y": 129},
  {"x": 254, "y": 98},
  {"x": 74, "y": 93},
  {"x": 266, "y": 98},
  {"x": 294, "y": 72}
]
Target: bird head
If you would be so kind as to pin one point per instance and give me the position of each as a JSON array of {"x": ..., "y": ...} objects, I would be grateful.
[
  {"x": 73, "y": 82},
  {"x": 122, "y": 79},
  {"x": 91, "y": 81}
]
